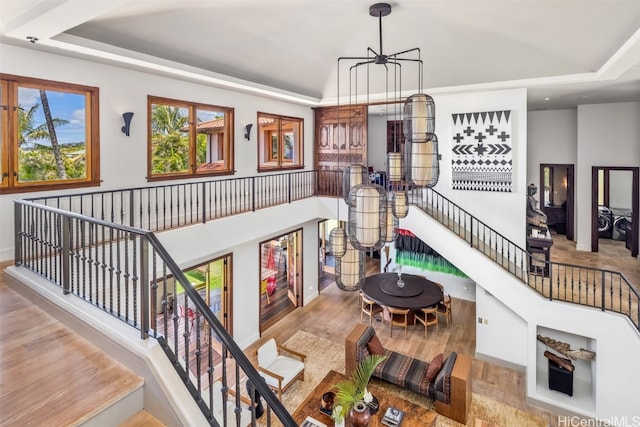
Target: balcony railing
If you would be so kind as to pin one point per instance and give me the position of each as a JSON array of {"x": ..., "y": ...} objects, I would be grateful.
[
  {"x": 94, "y": 246},
  {"x": 164, "y": 207},
  {"x": 100, "y": 247}
]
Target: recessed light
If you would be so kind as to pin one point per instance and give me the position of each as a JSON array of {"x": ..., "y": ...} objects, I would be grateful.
[{"x": 547, "y": 98}]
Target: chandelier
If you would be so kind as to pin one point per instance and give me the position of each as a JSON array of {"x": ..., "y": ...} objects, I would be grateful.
[{"x": 374, "y": 211}]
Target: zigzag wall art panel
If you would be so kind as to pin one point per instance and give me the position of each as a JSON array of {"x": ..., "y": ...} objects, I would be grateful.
[{"x": 481, "y": 158}]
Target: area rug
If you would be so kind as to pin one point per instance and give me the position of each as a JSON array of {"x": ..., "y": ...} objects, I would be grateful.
[{"x": 324, "y": 355}]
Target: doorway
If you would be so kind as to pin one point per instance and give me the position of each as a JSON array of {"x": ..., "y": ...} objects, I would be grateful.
[
  {"x": 326, "y": 260},
  {"x": 615, "y": 195},
  {"x": 280, "y": 287},
  {"x": 557, "y": 197},
  {"x": 212, "y": 280}
]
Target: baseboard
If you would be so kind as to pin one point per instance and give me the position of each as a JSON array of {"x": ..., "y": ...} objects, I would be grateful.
[{"x": 500, "y": 362}]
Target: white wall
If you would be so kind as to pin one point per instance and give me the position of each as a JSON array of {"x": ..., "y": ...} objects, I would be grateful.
[
  {"x": 620, "y": 188},
  {"x": 496, "y": 325},
  {"x": 616, "y": 380},
  {"x": 608, "y": 135},
  {"x": 505, "y": 212},
  {"x": 122, "y": 158},
  {"x": 551, "y": 138}
]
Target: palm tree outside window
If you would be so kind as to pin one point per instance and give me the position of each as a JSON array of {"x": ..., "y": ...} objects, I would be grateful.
[
  {"x": 188, "y": 139},
  {"x": 49, "y": 135}
]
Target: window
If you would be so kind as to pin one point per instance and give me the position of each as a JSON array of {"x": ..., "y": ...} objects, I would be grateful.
[
  {"x": 188, "y": 139},
  {"x": 50, "y": 135},
  {"x": 279, "y": 142}
]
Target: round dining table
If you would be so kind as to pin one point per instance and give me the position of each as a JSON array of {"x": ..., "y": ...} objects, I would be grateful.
[{"x": 415, "y": 293}]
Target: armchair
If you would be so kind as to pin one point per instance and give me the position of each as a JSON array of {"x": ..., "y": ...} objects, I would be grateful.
[{"x": 278, "y": 369}]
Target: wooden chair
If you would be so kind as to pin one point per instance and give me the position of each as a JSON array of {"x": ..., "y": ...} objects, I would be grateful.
[
  {"x": 444, "y": 308},
  {"x": 427, "y": 316},
  {"x": 278, "y": 369},
  {"x": 398, "y": 317},
  {"x": 370, "y": 308}
]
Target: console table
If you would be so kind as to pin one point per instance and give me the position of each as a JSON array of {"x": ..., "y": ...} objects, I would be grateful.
[{"x": 414, "y": 415}]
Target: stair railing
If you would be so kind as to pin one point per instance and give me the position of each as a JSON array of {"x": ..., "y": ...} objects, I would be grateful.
[
  {"x": 126, "y": 272},
  {"x": 604, "y": 289}
]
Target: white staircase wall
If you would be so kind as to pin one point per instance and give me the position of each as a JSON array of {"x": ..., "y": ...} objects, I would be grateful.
[{"x": 615, "y": 380}]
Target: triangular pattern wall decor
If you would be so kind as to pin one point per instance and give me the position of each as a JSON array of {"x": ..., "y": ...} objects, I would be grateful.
[{"x": 481, "y": 151}]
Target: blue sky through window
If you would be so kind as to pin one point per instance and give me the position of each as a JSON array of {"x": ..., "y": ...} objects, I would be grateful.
[{"x": 63, "y": 105}]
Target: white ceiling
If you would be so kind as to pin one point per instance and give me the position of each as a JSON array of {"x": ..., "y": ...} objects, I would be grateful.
[{"x": 570, "y": 51}]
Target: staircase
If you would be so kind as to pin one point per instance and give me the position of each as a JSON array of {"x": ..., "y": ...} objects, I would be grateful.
[
  {"x": 53, "y": 376},
  {"x": 585, "y": 307}
]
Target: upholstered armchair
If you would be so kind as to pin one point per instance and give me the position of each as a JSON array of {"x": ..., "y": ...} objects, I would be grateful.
[{"x": 280, "y": 366}]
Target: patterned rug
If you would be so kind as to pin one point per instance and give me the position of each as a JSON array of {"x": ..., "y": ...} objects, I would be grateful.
[{"x": 324, "y": 355}]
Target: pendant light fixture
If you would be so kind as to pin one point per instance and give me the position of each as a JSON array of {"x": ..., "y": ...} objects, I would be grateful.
[{"x": 374, "y": 211}]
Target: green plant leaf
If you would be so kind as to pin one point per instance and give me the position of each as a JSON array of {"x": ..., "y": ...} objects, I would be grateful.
[{"x": 352, "y": 390}]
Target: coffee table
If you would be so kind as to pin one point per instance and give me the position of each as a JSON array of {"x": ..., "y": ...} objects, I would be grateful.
[{"x": 414, "y": 415}]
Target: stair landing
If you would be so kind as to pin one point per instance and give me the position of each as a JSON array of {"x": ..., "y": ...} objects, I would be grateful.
[{"x": 50, "y": 375}]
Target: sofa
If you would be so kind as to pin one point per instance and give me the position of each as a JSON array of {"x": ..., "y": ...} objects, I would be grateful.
[{"x": 446, "y": 381}]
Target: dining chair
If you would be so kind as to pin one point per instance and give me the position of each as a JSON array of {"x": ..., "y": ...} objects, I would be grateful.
[
  {"x": 428, "y": 317},
  {"x": 370, "y": 308},
  {"x": 398, "y": 317},
  {"x": 444, "y": 308}
]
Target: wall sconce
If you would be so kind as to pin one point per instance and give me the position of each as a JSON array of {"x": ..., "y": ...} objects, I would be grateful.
[
  {"x": 247, "y": 131},
  {"x": 127, "y": 122}
]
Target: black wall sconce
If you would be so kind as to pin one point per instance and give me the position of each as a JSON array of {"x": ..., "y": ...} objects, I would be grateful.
[
  {"x": 127, "y": 122},
  {"x": 247, "y": 131}
]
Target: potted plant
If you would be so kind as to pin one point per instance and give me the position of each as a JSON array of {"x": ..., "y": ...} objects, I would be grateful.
[{"x": 352, "y": 391}]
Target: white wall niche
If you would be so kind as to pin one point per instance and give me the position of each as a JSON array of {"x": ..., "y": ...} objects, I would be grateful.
[{"x": 584, "y": 375}]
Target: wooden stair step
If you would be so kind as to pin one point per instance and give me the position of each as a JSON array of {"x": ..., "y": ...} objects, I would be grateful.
[{"x": 142, "y": 419}]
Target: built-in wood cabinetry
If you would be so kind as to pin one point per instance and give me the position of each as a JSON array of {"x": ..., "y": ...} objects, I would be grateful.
[{"x": 341, "y": 140}]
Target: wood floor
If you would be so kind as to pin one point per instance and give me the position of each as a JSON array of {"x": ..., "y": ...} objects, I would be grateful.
[
  {"x": 49, "y": 375},
  {"x": 334, "y": 312}
]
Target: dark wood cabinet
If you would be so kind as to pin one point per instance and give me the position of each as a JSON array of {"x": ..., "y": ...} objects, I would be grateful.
[{"x": 557, "y": 218}]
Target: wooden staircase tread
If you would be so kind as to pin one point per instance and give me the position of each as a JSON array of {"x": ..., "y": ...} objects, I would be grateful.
[
  {"x": 50, "y": 374},
  {"x": 142, "y": 419}
]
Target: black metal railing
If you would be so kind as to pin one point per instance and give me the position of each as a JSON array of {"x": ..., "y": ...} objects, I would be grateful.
[
  {"x": 126, "y": 272},
  {"x": 593, "y": 287},
  {"x": 164, "y": 207},
  {"x": 100, "y": 247}
]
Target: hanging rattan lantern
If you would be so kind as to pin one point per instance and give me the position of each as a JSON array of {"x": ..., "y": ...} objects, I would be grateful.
[
  {"x": 400, "y": 203},
  {"x": 395, "y": 165},
  {"x": 367, "y": 216},
  {"x": 419, "y": 122},
  {"x": 421, "y": 160},
  {"x": 352, "y": 176},
  {"x": 350, "y": 269},
  {"x": 338, "y": 239}
]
